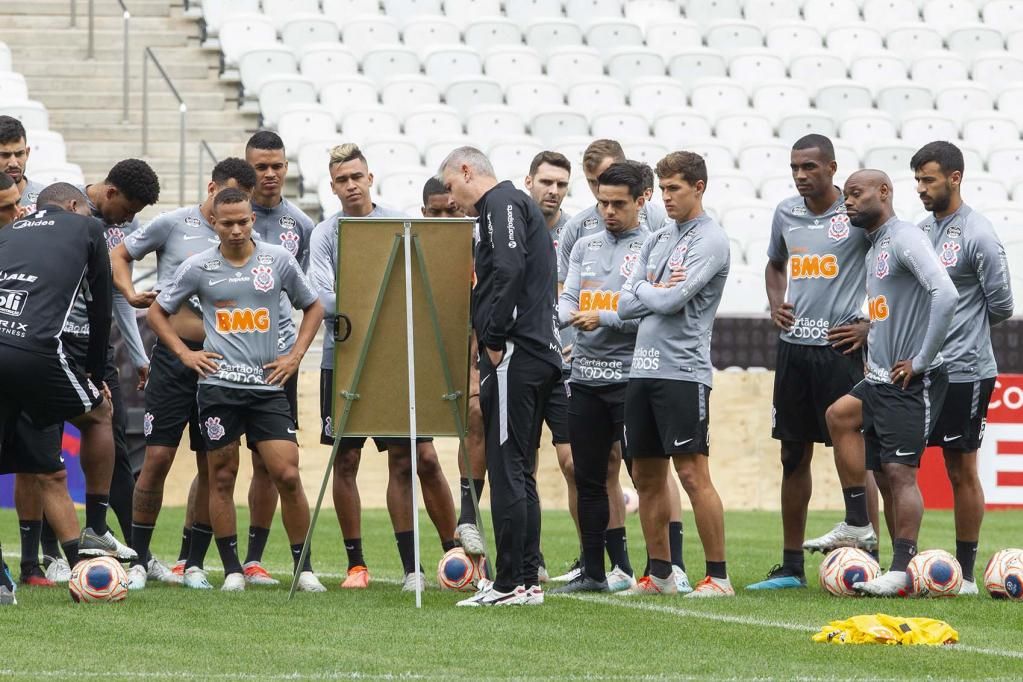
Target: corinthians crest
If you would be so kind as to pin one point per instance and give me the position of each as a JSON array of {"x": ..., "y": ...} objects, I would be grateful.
[
  {"x": 263, "y": 278},
  {"x": 839, "y": 228},
  {"x": 950, "y": 254},
  {"x": 881, "y": 265}
]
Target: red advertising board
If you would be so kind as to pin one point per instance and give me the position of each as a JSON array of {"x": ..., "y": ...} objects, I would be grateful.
[{"x": 1000, "y": 461}]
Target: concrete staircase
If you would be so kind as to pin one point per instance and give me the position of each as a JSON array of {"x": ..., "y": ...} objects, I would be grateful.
[{"x": 84, "y": 96}]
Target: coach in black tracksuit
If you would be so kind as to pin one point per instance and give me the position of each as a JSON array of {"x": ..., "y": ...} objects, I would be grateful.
[{"x": 514, "y": 315}]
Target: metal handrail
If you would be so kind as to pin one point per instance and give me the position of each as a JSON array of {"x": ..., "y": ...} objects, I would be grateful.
[
  {"x": 203, "y": 149},
  {"x": 91, "y": 51},
  {"x": 147, "y": 56}
]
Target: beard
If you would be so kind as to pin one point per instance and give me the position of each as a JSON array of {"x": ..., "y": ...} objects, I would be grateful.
[{"x": 864, "y": 219}]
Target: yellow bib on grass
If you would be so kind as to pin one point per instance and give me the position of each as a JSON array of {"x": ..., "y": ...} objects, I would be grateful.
[{"x": 881, "y": 628}]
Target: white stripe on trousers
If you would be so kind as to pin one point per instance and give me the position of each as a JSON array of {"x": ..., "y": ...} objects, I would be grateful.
[{"x": 502, "y": 389}]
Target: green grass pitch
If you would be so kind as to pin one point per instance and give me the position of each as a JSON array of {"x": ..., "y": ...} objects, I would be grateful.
[{"x": 168, "y": 633}]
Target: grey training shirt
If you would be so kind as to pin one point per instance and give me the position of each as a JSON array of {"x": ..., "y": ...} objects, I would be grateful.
[
  {"x": 31, "y": 194},
  {"x": 651, "y": 217},
  {"x": 910, "y": 298}
]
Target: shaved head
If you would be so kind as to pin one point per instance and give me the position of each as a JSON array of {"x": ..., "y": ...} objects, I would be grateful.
[
  {"x": 871, "y": 176},
  {"x": 868, "y": 198}
]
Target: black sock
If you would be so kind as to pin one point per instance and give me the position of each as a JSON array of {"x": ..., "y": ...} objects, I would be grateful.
[
  {"x": 646, "y": 567},
  {"x": 186, "y": 541},
  {"x": 467, "y": 513},
  {"x": 660, "y": 569},
  {"x": 70, "y": 552},
  {"x": 717, "y": 569},
  {"x": 51, "y": 547},
  {"x": 876, "y": 553},
  {"x": 30, "y": 534},
  {"x": 406, "y": 551},
  {"x": 792, "y": 559},
  {"x": 856, "y": 506},
  {"x": 353, "y": 548},
  {"x": 966, "y": 555},
  {"x": 448, "y": 545},
  {"x": 904, "y": 551},
  {"x": 617, "y": 549},
  {"x": 96, "y": 512},
  {"x": 675, "y": 544},
  {"x": 141, "y": 537},
  {"x": 228, "y": 548},
  {"x": 202, "y": 534},
  {"x": 257, "y": 543},
  {"x": 296, "y": 552}
]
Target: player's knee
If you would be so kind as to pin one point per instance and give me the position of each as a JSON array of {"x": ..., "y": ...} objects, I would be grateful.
[
  {"x": 567, "y": 468},
  {"x": 793, "y": 457},
  {"x": 400, "y": 467},
  {"x": 157, "y": 464},
  {"x": 428, "y": 464},
  {"x": 223, "y": 478},
  {"x": 101, "y": 414},
  {"x": 53, "y": 481},
  {"x": 288, "y": 481}
]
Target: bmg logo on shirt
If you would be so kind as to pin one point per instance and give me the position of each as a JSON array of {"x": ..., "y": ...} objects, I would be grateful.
[
  {"x": 12, "y": 302},
  {"x": 598, "y": 300},
  {"x": 243, "y": 320},
  {"x": 814, "y": 266},
  {"x": 878, "y": 308}
]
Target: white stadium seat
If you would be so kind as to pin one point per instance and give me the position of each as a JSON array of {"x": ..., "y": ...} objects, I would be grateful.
[
  {"x": 243, "y": 32},
  {"x": 386, "y": 61},
  {"x": 887, "y": 154},
  {"x": 889, "y": 12},
  {"x": 629, "y": 64},
  {"x": 754, "y": 66},
  {"x": 505, "y": 64},
  {"x": 796, "y": 123},
  {"x": 984, "y": 190},
  {"x": 909, "y": 40},
  {"x": 848, "y": 158},
  {"x": 568, "y": 65},
  {"x": 764, "y": 158},
  {"x": 755, "y": 253},
  {"x": 624, "y": 123},
  {"x": 946, "y": 15},
  {"x": 341, "y": 95},
  {"x": 596, "y": 96},
  {"x": 749, "y": 218},
  {"x": 403, "y": 186},
  {"x": 48, "y": 149},
  {"x": 677, "y": 127},
  {"x": 878, "y": 68},
  {"x": 463, "y": 12},
  {"x": 1005, "y": 163},
  {"x": 437, "y": 151},
  {"x": 956, "y": 99},
  {"x": 650, "y": 13},
  {"x": 362, "y": 33},
  {"x": 430, "y": 122},
  {"x": 329, "y": 203},
  {"x": 408, "y": 93},
  {"x": 777, "y": 187},
  {"x": 465, "y": 93},
  {"x": 322, "y": 62},
  {"x": 841, "y": 96},
  {"x": 280, "y": 11},
  {"x": 1006, "y": 15},
  {"x": 554, "y": 122},
  {"x": 299, "y": 123},
  {"x": 715, "y": 96},
  {"x": 255, "y": 66},
  {"x": 529, "y": 95},
  {"x": 826, "y": 14},
  {"x": 61, "y": 172},
  {"x": 899, "y": 98},
  {"x": 851, "y": 40},
  {"x": 340, "y": 11},
  {"x": 645, "y": 149},
  {"x": 583, "y": 11},
  {"x": 726, "y": 188},
  {"x": 485, "y": 33},
  {"x": 920, "y": 127},
  {"x": 13, "y": 87},
  {"x": 511, "y": 156},
  {"x": 301, "y": 31},
  {"x": 607, "y": 34},
  {"x": 775, "y": 98},
  {"x": 742, "y": 127},
  {"x": 410, "y": 9},
  {"x": 814, "y": 67},
  {"x": 1010, "y": 102},
  {"x": 523, "y": 11},
  {"x": 365, "y": 122},
  {"x": 32, "y": 114},
  {"x": 768, "y": 12},
  {"x": 1007, "y": 220},
  {"x": 214, "y": 13},
  {"x": 656, "y": 95},
  {"x": 934, "y": 68},
  {"x": 668, "y": 38},
  {"x": 277, "y": 92},
  {"x": 543, "y": 35},
  {"x": 487, "y": 123},
  {"x": 789, "y": 38},
  {"x": 731, "y": 35},
  {"x": 690, "y": 65},
  {"x": 705, "y": 12},
  {"x": 867, "y": 124},
  {"x": 573, "y": 148},
  {"x": 904, "y": 197},
  {"x": 988, "y": 130},
  {"x": 744, "y": 292},
  {"x": 313, "y": 159},
  {"x": 997, "y": 70},
  {"x": 716, "y": 155},
  {"x": 969, "y": 41},
  {"x": 388, "y": 153},
  {"x": 422, "y": 31},
  {"x": 445, "y": 64}
]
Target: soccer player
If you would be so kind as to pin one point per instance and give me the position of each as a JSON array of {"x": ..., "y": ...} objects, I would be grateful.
[
  {"x": 279, "y": 222},
  {"x": 674, "y": 290},
  {"x": 601, "y": 358},
  {"x": 351, "y": 181},
  {"x": 14, "y": 153},
  {"x": 241, "y": 374},
  {"x": 170, "y": 391},
  {"x": 515, "y": 321},
  {"x": 911, "y": 301},
  {"x": 811, "y": 242},
  {"x": 437, "y": 203},
  {"x": 974, "y": 258}
]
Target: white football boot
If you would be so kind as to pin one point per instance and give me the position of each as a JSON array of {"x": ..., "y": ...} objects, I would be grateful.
[{"x": 844, "y": 535}]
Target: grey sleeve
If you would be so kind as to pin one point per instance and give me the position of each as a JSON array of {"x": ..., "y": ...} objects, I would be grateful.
[
  {"x": 777, "y": 250},
  {"x": 610, "y": 318},
  {"x": 629, "y": 306},
  {"x": 321, "y": 268},
  {"x": 568, "y": 302},
  {"x": 297, "y": 286},
  {"x": 186, "y": 283},
  {"x": 124, "y": 316},
  {"x": 915, "y": 252},
  {"x": 992, "y": 268},
  {"x": 704, "y": 262},
  {"x": 569, "y": 236},
  {"x": 149, "y": 237},
  {"x": 306, "y": 227}
]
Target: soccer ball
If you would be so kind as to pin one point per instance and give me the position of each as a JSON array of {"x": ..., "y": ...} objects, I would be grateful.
[
  {"x": 843, "y": 568},
  {"x": 1003, "y": 577},
  {"x": 934, "y": 573},
  {"x": 456, "y": 571},
  {"x": 101, "y": 579},
  {"x": 631, "y": 498}
]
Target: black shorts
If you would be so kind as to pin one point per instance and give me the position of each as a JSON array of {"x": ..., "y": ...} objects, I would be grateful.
[
  {"x": 556, "y": 412},
  {"x": 326, "y": 421},
  {"x": 665, "y": 417},
  {"x": 29, "y": 449},
  {"x": 226, "y": 413},
  {"x": 170, "y": 400},
  {"x": 590, "y": 407},
  {"x": 291, "y": 393},
  {"x": 50, "y": 388},
  {"x": 897, "y": 422},
  {"x": 960, "y": 425},
  {"x": 808, "y": 379}
]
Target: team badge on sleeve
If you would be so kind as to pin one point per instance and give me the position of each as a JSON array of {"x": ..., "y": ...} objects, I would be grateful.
[
  {"x": 289, "y": 240},
  {"x": 950, "y": 254},
  {"x": 881, "y": 265},
  {"x": 147, "y": 424},
  {"x": 214, "y": 429},
  {"x": 263, "y": 278},
  {"x": 115, "y": 236},
  {"x": 839, "y": 229},
  {"x": 192, "y": 221}
]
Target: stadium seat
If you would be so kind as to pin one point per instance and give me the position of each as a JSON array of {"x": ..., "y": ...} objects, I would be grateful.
[
  {"x": 1014, "y": 41},
  {"x": 715, "y": 96},
  {"x": 408, "y": 93},
  {"x": 596, "y": 96},
  {"x": 847, "y": 157},
  {"x": 61, "y": 172},
  {"x": 1005, "y": 163},
  {"x": 988, "y": 130},
  {"x": 465, "y": 93},
  {"x": 435, "y": 152},
  {"x": 996, "y": 70},
  {"x": 299, "y": 123},
  {"x": 583, "y": 11},
  {"x": 281, "y": 11},
  {"x": 505, "y": 64},
  {"x": 360, "y": 34},
  {"x": 973, "y": 156},
  {"x": 920, "y": 127},
  {"x": 676, "y": 127},
  {"x": 649, "y": 13},
  {"x": 840, "y": 96},
  {"x": 694, "y": 63},
  {"x": 934, "y": 68},
  {"x": 813, "y": 67},
  {"x": 741, "y": 127},
  {"x": 32, "y": 114},
  {"x": 1010, "y": 102},
  {"x": 255, "y": 66},
  {"x": 769, "y": 12},
  {"x": 789, "y": 38},
  {"x": 421, "y": 32},
  {"x": 386, "y": 61},
  {"x": 543, "y": 35},
  {"x": 878, "y": 68},
  {"x": 48, "y": 148},
  {"x": 1007, "y": 15},
  {"x": 364, "y": 122},
  {"x": 388, "y": 153},
  {"x": 853, "y": 39},
  {"x": 749, "y": 218},
  {"x": 744, "y": 292},
  {"x": 329, "y": 203},
  {"x": 796, "y": 123},
  {"x": 551, "y": 123},
  {"x": 890, "y": 12},
  {"x": 861, "y": 125},
  {"x": 715, "y": 153},
  {"x": 403, "y": 186},
  {"x": 340, "y": 11},
  {"x": 215, "y": 12},
  {"x": 755, "y": 253},
  {"x": 243, "y": 32},
  {"x": 429, "y": 122},
  {"x": 969, "y": 41},
  {"x": 1007, "y": 220},
  {"x": 905, "y": 200},
  {"x": 412, "y": 9},
  {"x": 573, "y": 148},
  {"x": 529, "y": 95},
  {"x": 313, "y": 159},
  {"x": 887, "y": 154},
  {"x": 341, "y": 95},
  {"x": 946, "y": 15},
  {"x": 983, "y": 190},
  {"x": 731, "y": 35},
  {"x": 322, "y": 62},
  {"x": 645, "y": 149},
  {"x": 899, "y": 98},
  {"x": 668, "y": 38},
  {"x": 299, "y": 32},
  {"x": 623, "y": 123},
  {"x": 909, "y": 40},
  {"x": 705, "y": 12},
  {"x": 277, "y": 92},
  {"x": 487, "y": 123},
  {"x": 13, "y": 87},
  {"x": 511, "y": 156},
  {"x": 656, "y": 95},
  {"x": 445, "y": 64},
  {"x": 762, "y": 159},
  {"x": 726, "y": 188},
  {"x": 485, "y": 33},
  {"x": 827, "y": 14},
  {"x": 957, "y": 99},
  {"x": 568, "y": 65},
  {"x": 754, "y": 66},
  {"x": 629, "y": 64},
  {"x": 462, "y": 12},
  {"x": 1017, "y": 194},
  {"x": 775, "y": 188},
  {"x": 523, "y": 11},
  {"x": 605, "y": 35},
  {"x": 775, "y": 98}
]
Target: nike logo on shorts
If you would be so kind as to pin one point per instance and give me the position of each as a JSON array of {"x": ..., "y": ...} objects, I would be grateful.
[
  {"x": 949, "y": 439},
  {"x": 900, "y": 453},
  {"x": 292, "y": 431},
  {"x": 680, "y": 443}
]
